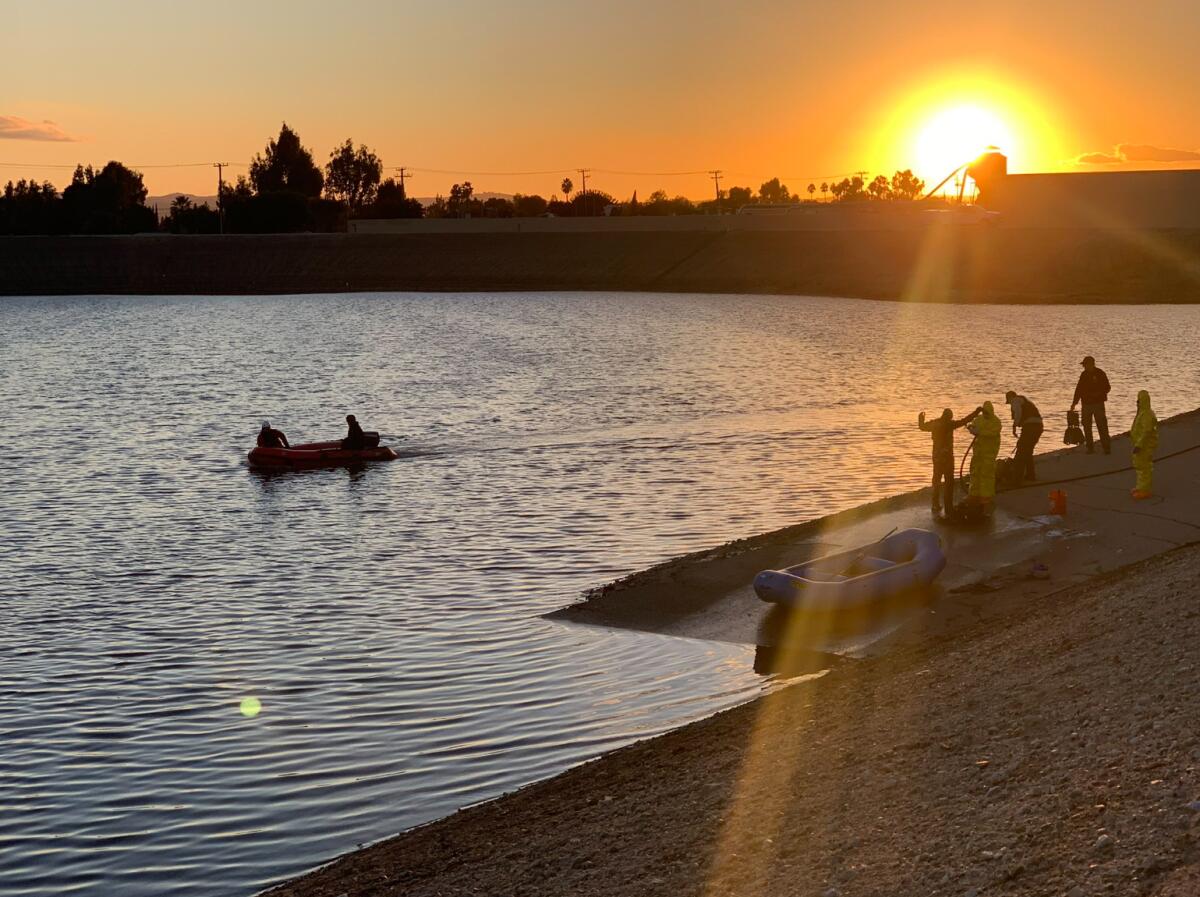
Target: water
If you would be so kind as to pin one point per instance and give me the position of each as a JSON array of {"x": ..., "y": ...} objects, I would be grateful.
[{"x": 388, "y": 619}]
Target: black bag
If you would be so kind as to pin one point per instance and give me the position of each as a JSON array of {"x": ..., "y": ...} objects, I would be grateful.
[
  {"x": 1074, "y": 434},
  {"x": 1008, "y": 476}
]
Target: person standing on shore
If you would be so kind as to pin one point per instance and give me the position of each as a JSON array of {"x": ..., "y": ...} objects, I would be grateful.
[
  {"x": 1144, "y": 435},
  {"x": 1028, "y": 420},
  {"x": 942, "y": 429},
  {"x": 986, "y": 429},
  {"x": 1092, "y": 390}
]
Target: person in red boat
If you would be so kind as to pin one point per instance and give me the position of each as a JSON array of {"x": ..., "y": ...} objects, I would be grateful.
[
  {"x": 354, "y": 434},
  {"x": 269, "y": 437}
]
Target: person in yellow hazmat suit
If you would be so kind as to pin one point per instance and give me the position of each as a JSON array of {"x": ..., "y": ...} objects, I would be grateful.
[
  {"x": 1144, "y": 435},
  {"x": 986, "y": 428}
]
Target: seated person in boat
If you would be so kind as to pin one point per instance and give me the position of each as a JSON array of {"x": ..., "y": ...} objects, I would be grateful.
[
  {"x": 354, "y": 435},
  {"x": 269, "y": 437}
]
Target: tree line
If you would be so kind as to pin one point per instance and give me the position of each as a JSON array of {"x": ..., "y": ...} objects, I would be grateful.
[{"x": 286, "y": 192}]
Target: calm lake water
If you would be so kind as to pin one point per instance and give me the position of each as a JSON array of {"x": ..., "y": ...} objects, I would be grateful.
[{"x": 388, "y": 619}]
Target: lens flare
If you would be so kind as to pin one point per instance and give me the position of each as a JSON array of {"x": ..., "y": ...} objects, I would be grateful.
[{"x": 250, "y": 707}]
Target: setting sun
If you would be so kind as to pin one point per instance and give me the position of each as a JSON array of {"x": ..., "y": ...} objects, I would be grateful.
[
  {"x": 946, "y": 119},
  {"x": 955, "y": 136}
]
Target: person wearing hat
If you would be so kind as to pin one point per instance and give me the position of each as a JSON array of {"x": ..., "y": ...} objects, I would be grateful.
[
  {"x": 1092, "y": 390},
  {"x": 268, "y": 437}
]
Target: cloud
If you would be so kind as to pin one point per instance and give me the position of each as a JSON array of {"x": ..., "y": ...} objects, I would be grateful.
[
  {"x": 1138, "y": 152},
  {"x": 14, "y": 128},
  {"x": 1098, "y": 159}
]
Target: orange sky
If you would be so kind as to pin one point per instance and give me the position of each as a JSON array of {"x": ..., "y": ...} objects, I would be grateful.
[{"x": 756, "y": 87}]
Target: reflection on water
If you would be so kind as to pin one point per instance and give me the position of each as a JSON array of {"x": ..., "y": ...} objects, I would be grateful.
[{"x": 386, "y": 618}]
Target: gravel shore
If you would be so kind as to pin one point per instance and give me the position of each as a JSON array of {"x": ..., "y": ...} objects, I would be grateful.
[{"x": 1055, "y": 751}]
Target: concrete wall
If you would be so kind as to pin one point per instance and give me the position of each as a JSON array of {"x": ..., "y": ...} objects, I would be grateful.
[
  {"x": 824, "y": 216},
  {"x": 934, "y": 264}
]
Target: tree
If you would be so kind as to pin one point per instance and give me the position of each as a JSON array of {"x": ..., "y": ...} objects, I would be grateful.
[
  {"x": 879, "y": 188},
  {"x": 740, "y": 196},
  {"x": 906, "y": 185},
  {"x": 462, "y": 203},
  {"x": 28, "y": 207},
  {"x": 188, "y": 218},
  {"x": 660, "y": 203},
  {"x": 287, "y": 167},
  {"x": 847, "y": 189},
  {"x": 812, "y": 188},
  {"x": 590, "y": 202},
  {"x": 109, "y": 201},
  {"x": 353, "y": 175},
  {"x": 392, "y": 202},
  {"x": 773, "y": 191},
  {"x": 824, "y": 189},
  {"x": 497, "y": 207},
  {"x": 528, "y": 206},
  {"x": 567, "y": 187}
]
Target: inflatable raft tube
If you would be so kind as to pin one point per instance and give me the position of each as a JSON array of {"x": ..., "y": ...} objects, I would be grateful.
[
  {"x": 907, "y": 560},
  {"x": 318, "y": 454}
]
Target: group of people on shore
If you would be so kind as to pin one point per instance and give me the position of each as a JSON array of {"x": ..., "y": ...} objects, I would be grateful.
[{"x": 1091, "y": 392}]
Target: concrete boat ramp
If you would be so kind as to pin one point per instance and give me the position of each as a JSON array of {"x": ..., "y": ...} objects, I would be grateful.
[{"x": 1024, "y": 554}]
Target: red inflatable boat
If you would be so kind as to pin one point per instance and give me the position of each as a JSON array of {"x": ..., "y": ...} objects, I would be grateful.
[{"x": 320, "y": 454}]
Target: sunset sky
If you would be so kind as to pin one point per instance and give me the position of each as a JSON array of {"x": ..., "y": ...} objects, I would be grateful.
[{"x": 804, "y": 90}]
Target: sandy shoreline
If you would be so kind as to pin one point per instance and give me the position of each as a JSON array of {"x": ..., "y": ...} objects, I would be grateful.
[
  {"x": 1021, "y": 737},
  {"x": 1057, "y": 754}
]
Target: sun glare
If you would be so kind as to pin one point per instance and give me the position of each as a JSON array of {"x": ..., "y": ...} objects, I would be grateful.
[
  {"x": 957, "y": 135},
  {"x": 944, "y": 119}
]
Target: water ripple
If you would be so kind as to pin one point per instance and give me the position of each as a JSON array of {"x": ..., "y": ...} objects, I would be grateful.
[{"x": 388, "y": 619}]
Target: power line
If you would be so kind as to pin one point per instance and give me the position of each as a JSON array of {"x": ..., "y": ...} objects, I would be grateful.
[
  {"x": 493, "y": 174},
  {"x": 652, "y": 174},
  {"x": 126, "y": 164}
]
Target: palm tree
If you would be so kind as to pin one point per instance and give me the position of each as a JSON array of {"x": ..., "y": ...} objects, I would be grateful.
[
  {"x": 567, "y": 187},
  {"x": 824, "y": 189},
  {"x": 812, "y": 188}
]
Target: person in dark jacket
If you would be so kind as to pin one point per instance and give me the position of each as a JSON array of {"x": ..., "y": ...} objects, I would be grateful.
[
  {"x": 1027, "y": 419},
  {"x": 268, "y": 437},
  {"x": 1092, "y": 390},
  {"x": 942, "y": 430},
  {"x": 354, "y": 434}
]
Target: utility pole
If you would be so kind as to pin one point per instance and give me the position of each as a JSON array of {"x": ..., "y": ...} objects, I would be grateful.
[
  {"x": 715, "y": 174},
  {"x": 220, "y": 167},
  {"x": 583, "y": 173},
  {"x": 403, "y": 172}
]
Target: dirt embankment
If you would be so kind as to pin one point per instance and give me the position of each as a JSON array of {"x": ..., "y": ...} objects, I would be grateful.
[
  {"x": 1055, "y": 754},
  {"x": 939, "y": 263}
]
